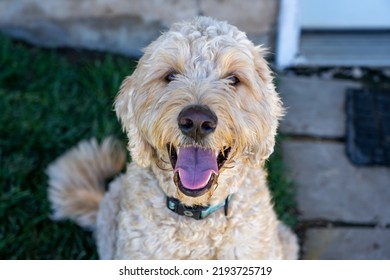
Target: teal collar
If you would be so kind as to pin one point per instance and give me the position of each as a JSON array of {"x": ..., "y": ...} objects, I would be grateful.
[{"x": 197, "y": 212}]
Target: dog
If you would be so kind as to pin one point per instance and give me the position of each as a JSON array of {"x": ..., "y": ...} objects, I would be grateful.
[{"x": 201, "y": 114}]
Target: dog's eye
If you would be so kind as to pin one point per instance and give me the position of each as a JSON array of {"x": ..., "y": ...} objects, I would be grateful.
[
  {"x": 233, "y": 80},
  {"x": 170, "y": 77}
]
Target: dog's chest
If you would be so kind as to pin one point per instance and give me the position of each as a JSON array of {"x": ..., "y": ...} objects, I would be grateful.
[
  {"x": 161, "y": 234},
  {"x": 158, "y": 233},
  {"x": 147, "y": 229}
]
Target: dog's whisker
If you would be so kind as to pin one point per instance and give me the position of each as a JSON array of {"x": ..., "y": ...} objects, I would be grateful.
[
  {"x": 164, "y": 161},
  {"x": 163, "y": 168},
  {"x": 229, "y": 167}
]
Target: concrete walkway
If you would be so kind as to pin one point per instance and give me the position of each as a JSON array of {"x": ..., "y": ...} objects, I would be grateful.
[{"x": 344, "y": 209}]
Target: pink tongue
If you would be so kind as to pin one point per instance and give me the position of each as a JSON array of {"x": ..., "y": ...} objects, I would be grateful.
[{"x": 195, "y": 166}]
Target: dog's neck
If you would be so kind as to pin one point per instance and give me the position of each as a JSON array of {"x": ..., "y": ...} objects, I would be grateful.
[{"x": 196, "y": 212}]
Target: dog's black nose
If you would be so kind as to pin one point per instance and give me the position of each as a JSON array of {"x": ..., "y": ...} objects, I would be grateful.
[{"x": 197, "y": 122}]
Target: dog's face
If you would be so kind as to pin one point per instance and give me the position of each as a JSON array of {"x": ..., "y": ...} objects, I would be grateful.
[{"x": 201, "y": 106}]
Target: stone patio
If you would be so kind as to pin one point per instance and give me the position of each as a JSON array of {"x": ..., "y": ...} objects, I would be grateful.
[{"x": 351, "y": 202}]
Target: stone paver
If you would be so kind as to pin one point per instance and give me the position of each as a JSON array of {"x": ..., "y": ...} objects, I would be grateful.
[
  {"x": 347, "y": 244},
  {"x": 314, "y": 107},
  {"x": 330, "y": 187},
  {"x": 252, "y": 23},
  {"x": 125, "y": 26}
]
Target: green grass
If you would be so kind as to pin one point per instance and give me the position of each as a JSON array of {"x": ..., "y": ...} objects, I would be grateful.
[
  {"x": 49, "y": 101},
  {"x": 281, "y": 187}
]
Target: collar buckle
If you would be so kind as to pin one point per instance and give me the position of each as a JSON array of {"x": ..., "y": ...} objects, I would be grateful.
[{"x": 196, "y": 212}]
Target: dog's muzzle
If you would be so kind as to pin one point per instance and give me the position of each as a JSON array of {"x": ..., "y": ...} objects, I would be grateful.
[{"x": 196, "y": 169}]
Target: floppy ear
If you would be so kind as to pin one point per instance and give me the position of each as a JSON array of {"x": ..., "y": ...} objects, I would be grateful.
[
  {"x": 271, "y": 109},
  {"x": 140, "y": 150}
]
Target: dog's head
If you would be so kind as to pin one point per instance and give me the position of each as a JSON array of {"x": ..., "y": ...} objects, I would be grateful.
[{"x": 202, "y": 106}]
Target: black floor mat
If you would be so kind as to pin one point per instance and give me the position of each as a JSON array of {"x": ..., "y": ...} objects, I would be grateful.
[{"x": 368, "y": 126}]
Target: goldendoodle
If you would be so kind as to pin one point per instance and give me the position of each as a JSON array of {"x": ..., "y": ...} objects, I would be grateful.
[{"x": 201, "y": 114}]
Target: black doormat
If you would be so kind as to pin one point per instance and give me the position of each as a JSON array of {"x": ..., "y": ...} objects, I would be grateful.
[{"x": 368, "y": 126}]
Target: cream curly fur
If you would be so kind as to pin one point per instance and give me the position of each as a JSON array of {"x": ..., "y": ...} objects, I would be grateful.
[{"x": 133, "y": 221}]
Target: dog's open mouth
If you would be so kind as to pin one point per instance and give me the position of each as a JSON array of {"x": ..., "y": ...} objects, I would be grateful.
[{"x": 196, "y": 169}]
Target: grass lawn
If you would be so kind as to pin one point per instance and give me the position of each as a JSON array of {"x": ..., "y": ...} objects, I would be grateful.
[{"x": 49, "y": 101}]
